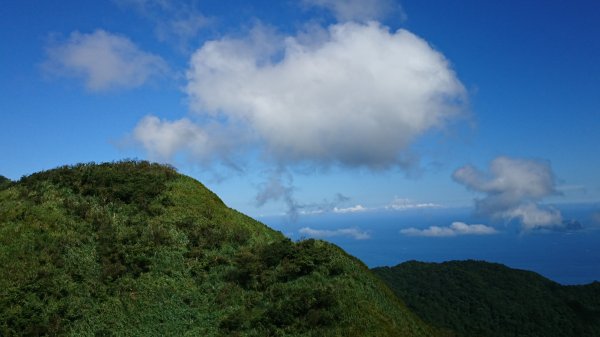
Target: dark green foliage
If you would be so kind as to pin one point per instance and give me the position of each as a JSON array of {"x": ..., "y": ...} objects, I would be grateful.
[
  {"x": 4, "y": 182},
  {"x": 130, "y": 182},
  {"x": 135, "y": 249},
  {"x": 477, "y": 298},
  {"x": 277, "y": 273}
]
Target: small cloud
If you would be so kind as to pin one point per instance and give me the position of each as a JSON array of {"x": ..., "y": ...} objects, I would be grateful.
[
  {"x": 512, "y": 189},
  {"x": 455, "y": 229},
  {"x": 163, "y": 139},
  {"x": 103, "y": 61},
  {"x": 325, "y": 233},
  {"x": 353, "y": 209},
  {"x": 403, "y": 204}
]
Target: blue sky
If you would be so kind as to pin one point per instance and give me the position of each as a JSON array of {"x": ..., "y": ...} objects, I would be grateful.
[{"x": 316, "y": 105}]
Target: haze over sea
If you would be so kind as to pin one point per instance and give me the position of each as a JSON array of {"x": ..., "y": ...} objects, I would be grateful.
[{"x": 566, "y": 256}]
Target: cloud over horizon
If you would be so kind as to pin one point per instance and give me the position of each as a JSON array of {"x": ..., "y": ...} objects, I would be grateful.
[
  {"x": 352, "y": 232},
  {"x": 352, "y": 209},
  {"x": 103, "y": 60},
  {"x": 455, "y": 229},
  {"x": 404, "y": 204},
  {"x": 512, "y": 189}
]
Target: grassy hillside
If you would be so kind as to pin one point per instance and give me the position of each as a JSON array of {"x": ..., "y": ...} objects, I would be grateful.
[
  {"x": 136, "y": 249},
  {"x": 477, "y": 298}
]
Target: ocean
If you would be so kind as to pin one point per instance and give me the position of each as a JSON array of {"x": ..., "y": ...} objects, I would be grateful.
[{"x": 568, "y": 257}]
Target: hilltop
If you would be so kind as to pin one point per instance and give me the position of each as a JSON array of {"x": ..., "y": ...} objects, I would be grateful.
[
  {"x": 476, "y": 298},
  {"x": 136, "y": 249}
]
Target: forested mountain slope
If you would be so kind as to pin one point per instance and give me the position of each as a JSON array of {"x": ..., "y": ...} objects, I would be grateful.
[{"x": 476, "y": 298}]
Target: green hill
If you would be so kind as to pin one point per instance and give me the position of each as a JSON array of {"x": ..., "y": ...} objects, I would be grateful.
[
  {"x": 477, "y": 298},
  {"x": 136, "y": 249}
]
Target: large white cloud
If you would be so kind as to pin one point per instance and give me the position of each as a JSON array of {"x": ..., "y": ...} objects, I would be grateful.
[
  {"x": 455, "y": 229},
  {"x": 103, "y": 60},
  {"x": 354, "y": 94},
  {"x": 513, "y": 188},
  {"x": 348, "y": 10}
]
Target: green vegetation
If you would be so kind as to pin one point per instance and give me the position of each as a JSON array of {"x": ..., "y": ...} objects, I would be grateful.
[
  {"x": 4, "y": 182},
  {"x": 477, "y": 298},
  {"x": 136, "y": 249}
]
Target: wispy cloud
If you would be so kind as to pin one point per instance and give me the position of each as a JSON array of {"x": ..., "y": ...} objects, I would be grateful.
[
  {"x": 455, "y": 229},
  {"x": 176, "y": 21},
  {"x": 403, "y": 204},
  {"x": 512, "y": 189},
  {"x": 103, "y": 61},
  {"x": 353, "y": 209},
  {"x": 324, "y": 206},
  {"x": 359, "y": 10},
  {"x": 279, "y": 187},
  {"x": 325, "y": 233}
]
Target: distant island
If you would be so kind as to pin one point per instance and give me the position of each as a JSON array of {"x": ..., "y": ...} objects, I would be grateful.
[{"x": 134, "y": 248}]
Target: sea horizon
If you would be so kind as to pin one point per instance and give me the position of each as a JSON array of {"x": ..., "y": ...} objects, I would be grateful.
[{"x": 569, "y": 256}]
